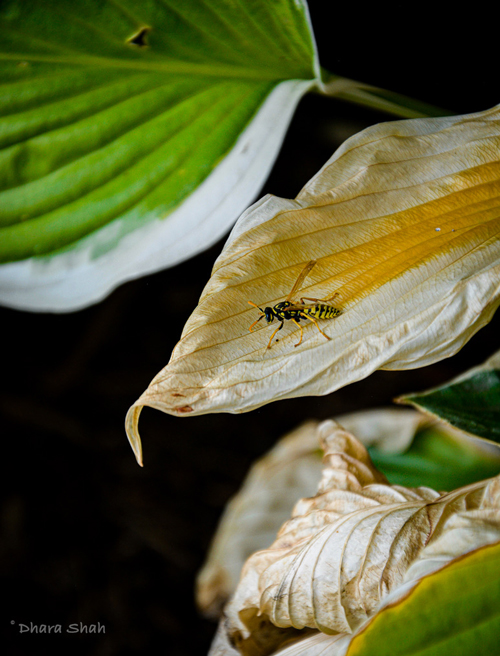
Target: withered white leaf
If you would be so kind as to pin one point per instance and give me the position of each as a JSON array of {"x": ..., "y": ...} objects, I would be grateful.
[
  {"x": 291, "y": 470},
  {"x": 252, "y": 518},
  {"x": 342, "y": 552},
  {"x": 403, "y": 223},
  {"x": 461, "y": 532}
]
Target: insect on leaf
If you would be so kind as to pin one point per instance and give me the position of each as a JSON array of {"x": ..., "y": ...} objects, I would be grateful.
[{"x": 404, "y": 224}]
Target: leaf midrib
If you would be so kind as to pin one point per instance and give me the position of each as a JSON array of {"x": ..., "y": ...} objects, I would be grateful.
[{"x": 171, "y": 67}]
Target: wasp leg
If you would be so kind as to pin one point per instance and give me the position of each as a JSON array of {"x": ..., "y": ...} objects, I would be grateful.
[
  {"x": 318, "y": 300},
  {"x": 306, "y": 316},
  {"x": 301, "y": 332},
  {"x": 272, "y": 336}
]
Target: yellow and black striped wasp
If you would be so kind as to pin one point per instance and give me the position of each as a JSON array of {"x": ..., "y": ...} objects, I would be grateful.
[{"x": 288, "y": 310}]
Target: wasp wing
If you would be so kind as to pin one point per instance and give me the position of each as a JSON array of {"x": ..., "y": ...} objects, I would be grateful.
[
  {"x": 302, "y": 276},
  {"x": 301, "y": 307}
]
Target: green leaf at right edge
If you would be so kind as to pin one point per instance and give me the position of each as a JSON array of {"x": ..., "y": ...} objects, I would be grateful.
[
  {"x": 471, "y": 402},
  {"x": 438, "y": 458},
  {"x": 453, "y": 612}
]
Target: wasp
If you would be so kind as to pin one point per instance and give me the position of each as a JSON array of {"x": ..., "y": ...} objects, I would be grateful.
[{"x": 288, "y": 310}]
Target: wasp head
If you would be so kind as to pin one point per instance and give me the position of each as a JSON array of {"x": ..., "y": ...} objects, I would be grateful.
[{"x": 269, "y": 314}]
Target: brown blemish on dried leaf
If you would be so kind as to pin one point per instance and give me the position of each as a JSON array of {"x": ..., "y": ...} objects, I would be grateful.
[{"x": 184, "y": 409}]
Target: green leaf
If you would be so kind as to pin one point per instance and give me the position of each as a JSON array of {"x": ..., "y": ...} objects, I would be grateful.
[
  {"x": 113, "y": 114},
  {"x": 439, "y": 459},
  {"x": 470, "y": 402},
  {"x": 453, "y": 612}
]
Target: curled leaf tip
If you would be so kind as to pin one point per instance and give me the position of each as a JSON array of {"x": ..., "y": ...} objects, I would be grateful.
[{"x": 132, "y": 430}]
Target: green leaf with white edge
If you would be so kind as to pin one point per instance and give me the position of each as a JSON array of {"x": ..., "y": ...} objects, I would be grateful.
[
  {"x": 453, "y": 612},
  {"x": 470, "y": 402},
  {"x": 439, "y": 457},
  {"x": 132, "y": 134}
]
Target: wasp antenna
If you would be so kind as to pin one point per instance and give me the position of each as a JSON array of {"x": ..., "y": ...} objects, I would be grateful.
[{"x": 256, "y": 306}]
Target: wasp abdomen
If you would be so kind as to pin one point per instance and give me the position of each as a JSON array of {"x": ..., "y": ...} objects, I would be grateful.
[{"x": 322, "y": 311}]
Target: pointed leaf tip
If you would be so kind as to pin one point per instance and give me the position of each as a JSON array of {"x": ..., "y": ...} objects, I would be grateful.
[{"x": 132, "y": 430}]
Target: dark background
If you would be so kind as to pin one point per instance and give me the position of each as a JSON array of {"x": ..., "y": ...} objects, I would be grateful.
[{"x": 87, "y": 535}]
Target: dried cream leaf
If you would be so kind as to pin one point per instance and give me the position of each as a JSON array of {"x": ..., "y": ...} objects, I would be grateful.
[
  {"x": 317, "y": 644},
  {"x": 345, "y": 549},
  {"x": 458, "y": 534},
  {"x": 291, "y": 470},
  {"x": 387, "y": 429},
  {"x": 404, "y": 223},
  {"x": 252, "y": 518},
  {"x": 462, "y": 532}
]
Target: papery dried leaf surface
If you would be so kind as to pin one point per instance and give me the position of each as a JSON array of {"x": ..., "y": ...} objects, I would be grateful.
[
  {"x": 345, "y": 549},
  {"x": 463, "y": 531},
  {"x": 252, "y": 518},
  {"x": 404, "y": 224},
  {"x": 291, "y": 470},
  {"x": 444, "y": 606}
]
